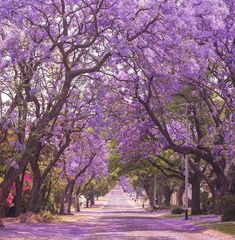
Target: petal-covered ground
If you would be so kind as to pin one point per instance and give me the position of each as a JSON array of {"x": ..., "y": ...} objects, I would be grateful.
[{"x": 116, "y": 219}]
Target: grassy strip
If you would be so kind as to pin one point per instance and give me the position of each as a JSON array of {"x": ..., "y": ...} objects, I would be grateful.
[
  {"x": 71, "y": 218},
  {"x": 171, "y": 216}
]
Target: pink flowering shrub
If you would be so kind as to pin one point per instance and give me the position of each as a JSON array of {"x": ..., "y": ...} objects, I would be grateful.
[
  {"x": 26, "y": 187},
  {"x": 9, "y": 199}
]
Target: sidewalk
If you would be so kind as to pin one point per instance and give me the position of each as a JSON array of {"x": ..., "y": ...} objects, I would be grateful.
[
  {"x": 194, "y": 223},
  {"x": 85, "y": 213}
]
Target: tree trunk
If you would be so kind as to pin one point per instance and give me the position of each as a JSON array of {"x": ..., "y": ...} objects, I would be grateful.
[
  {"x": 92, "y": 199},
  {"x": 22, "y": 119},
  {"x": 196, "y": 182},
  {"x": 45, "y": 191},
  {"x": 160, "y": 200},
  {"x": 180, "y": 195},
  {"x": 77, "y": 207},
  {"x": 18, "y": 196},
  {"x": 70, "y": 196},
  {"x": 149, "y": 191},
  {"x": 34, "y": 196},
  {"x": 167, "y": 192},
  {"x": 87, "y": 202},
  {"x": 30, "y": 154},
  {"x": 5, "y": 187},
  {"x": 63, "y": 198}
]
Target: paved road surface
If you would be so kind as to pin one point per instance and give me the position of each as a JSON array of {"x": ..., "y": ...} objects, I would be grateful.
[{"x": 117, "y": 219}]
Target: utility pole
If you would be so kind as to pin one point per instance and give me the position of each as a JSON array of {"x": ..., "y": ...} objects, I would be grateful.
[
  {"x": 154, "y": 190},
  {"x": 186, "y": 168}
]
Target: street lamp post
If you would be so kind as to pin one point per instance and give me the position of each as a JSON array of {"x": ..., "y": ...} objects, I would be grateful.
[
  {"x": 186, "y": 168},
  {"x": 154, "y": 190}
]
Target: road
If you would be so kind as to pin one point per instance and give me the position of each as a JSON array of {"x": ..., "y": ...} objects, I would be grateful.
[{"x": 116, "y": 219}]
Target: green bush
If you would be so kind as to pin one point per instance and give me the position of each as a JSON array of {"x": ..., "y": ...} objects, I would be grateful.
[
  {"x": 226, "y": 207},
  {"x": 177, "y": 210}
]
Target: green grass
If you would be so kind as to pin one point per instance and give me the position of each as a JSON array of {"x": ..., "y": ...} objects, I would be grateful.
[
  {"x": 172, "y": 215},
  {"x": 224, "y": 227}
]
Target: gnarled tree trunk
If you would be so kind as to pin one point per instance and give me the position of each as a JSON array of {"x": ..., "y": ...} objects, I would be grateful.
[
  {"x": 180, "y": 195},
  {"x": 70, "y": 196},
  {"x": 196, "y": 184},
  {"x": 167, "y": 192},
  {"x": 36, "y": 179},
  {"x": 18, "y": 197},
  {"x": 62, "y": 210}
]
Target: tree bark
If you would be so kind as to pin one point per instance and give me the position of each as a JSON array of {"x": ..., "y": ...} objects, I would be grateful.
[
  {"x": 92, "y": 199},
  {"x": 167, "y": 192},
  {"x": 196, "y": 183},
  {"x": 12, "y": 174},
  {"x": 63, "y": 198},
  {"x": 87, "y": 202},
  {"x": 33, "y": 203},
  {"x": 70, "y": 196},
  {"x": 180, "y": 195},
  {"x": 36, "y": 180},
  {"x": 34, "y": 196},
  {"x": 149, "y": 191},
  {"x": 46, "y": 196},
  {"x": 5, "y": 187},
  {"x": 77, "y": 207},
  {"x": 18, "y": 196}
]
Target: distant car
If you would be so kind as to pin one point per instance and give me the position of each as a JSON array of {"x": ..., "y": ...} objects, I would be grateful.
[{"x": 132, "y": 195}]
